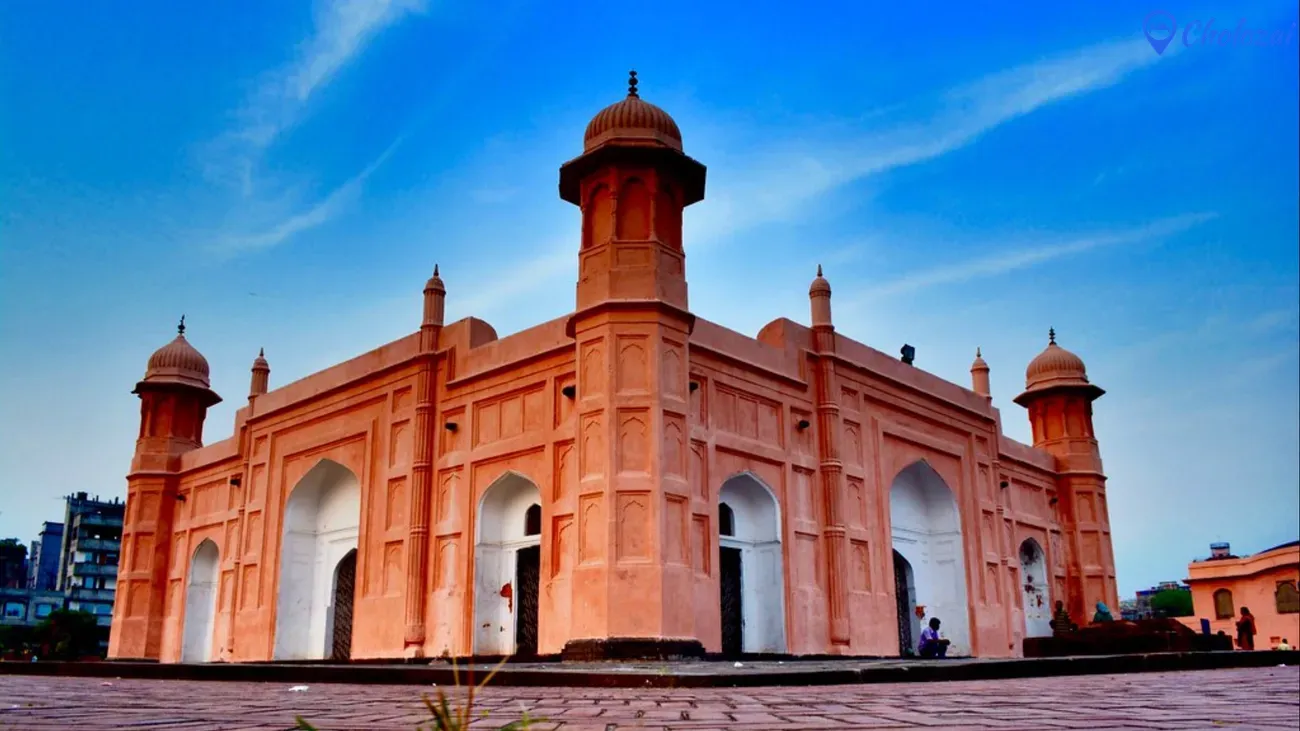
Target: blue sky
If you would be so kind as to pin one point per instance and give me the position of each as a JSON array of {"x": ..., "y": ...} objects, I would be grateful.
[{"x": 287, "y": 174}]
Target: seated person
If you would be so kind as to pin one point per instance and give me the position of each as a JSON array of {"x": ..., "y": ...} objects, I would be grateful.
[
  {"x": 1061, "y": 621},
  {"x": 932, "y": 645}
]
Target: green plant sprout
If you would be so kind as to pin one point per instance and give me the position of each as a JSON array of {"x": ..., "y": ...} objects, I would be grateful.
[{"x": 449, "y": 716}]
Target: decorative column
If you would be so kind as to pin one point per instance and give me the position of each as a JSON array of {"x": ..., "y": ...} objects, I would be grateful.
[
  {"x": 417, "y": 565},
  {"x": 259, "y": 383},
  {"x": 830, "y": 468}
]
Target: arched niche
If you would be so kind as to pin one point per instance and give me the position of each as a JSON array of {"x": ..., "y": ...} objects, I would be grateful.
[
  {"x": 598, "y": 217},
  {"x": 668, "y": 217},
  {"x": 1036, "y": 596},
  {"x": 634, "y": 211},
  {"x": 752, "y": 579},
  {"x": 322, "y": 520},
  {"x": 507, "y": 567},
  {"x": 925, "y": 527},
  {"x": 201, "y": 603}
]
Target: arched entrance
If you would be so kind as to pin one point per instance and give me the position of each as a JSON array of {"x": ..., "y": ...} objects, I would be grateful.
[
  {"x": 1036, "y": 596},
  {"x": 318, "y": 544},
  {"x": 507, "y": 567},
  {"x": 909, "y": 625},
  {"x": 201, "y": 604},
  {"x": 925, "y": 526},
  {"x": 752, "y": 582}
]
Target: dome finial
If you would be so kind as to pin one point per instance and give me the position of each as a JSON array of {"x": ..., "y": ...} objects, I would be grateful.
[
  {"x": 631, "y": 84},
  {"x": 977, "y": 352},
  {"x": 1051, "y": 336},
  {"x": 180, "y": 329},
  {"x": 819, "y": 270},
  {"x": 435, "y": 270},
  {"x": 261, "y": 352}
]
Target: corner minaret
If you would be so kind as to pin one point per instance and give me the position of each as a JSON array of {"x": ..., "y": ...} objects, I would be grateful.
[
  {"x": 175, "y": 396},
  {"x": 631, "y": 329},
  {"x": 830, "y": 468},
  {"x": 261, "y": 376},
  {"x": 979, "y": 376},
  {"x": 632, "y": 182},
  {"x": 1059, "y": 398}
]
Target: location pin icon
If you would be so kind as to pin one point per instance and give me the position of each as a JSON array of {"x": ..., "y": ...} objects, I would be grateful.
[{"x": 1156, "y": 25}]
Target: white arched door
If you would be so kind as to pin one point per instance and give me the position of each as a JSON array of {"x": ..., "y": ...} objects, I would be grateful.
[
  {"x": 1036, "y": 597},
  {"x": 925, "y": 527},
  {"x": 322, "y": 520},
  {"x": 507, "y": 567},
  {"x": 751, "y": 577},
  {"x": 201, "y": 604}
]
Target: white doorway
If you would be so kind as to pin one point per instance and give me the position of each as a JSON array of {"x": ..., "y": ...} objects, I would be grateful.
[
  {"x": 752, "y": 580},
  {"x": 201, "y": 604},
  {"x": 322, "y": 520},
  {"x": 925, "y": 526},
  {"x": 507, "y": 566},
  {"x": 1035, "y": 594}
]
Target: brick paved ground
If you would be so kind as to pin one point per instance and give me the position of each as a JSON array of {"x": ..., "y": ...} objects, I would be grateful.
[{"x": 1257, "y": 698}]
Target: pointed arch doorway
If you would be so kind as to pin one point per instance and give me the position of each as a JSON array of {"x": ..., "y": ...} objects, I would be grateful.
[
  {"x": 507, "y": 567},
  {"x": 1036, "y": 592},
  {"x": 925, "y": 528},
  {"x": 200, "y": 604},
  {"x": 751, "y": 578},
  {"x": 318, "y": 557}
]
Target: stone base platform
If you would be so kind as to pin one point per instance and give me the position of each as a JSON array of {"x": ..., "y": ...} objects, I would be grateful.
[{"x": 677, "y": 674}]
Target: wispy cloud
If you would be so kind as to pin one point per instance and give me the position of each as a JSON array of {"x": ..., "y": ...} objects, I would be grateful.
[
  {"x": 782, "y": 183},
  {"x": 341, "y": 31},
  {"x": 295, "y": 223},
  {"x": 1019, "y": 258},
  {"x": 507, "y": 285}
]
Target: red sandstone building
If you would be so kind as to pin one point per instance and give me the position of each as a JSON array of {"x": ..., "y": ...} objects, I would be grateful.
[{"x": 626, "y": 480}]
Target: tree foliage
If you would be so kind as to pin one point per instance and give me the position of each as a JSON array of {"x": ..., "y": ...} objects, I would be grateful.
[
  {"x": 1172, "y": 603},
  {"x": 64, "y": 635}
]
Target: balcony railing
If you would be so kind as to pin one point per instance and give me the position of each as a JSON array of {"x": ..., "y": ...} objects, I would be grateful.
[
  {"x": 94, "y": 569},
  {"x": 81, "y": 593},
  {"x": 89, "y": 519},
  {"x": 111, "y": 545}
]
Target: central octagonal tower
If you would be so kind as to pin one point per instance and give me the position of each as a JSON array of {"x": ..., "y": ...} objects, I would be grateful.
[{"x": 631, "y": 330}]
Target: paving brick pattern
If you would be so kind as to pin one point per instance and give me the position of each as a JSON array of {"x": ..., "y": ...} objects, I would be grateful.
[{"x": 1255, "y": 698}]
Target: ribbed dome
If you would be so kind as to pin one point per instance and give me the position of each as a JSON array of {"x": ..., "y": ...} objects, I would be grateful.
[
  {"x": 1055, "y": 366},
  {"x": 979, "y": 364},
  {"x": 178, "y": 362},
  {"x": 819, "y": 284},
  {"x": 632, "y": 119}
]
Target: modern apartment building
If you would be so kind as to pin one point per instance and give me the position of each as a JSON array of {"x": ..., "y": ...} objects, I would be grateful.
[
  {"x": 43, "y": 560},
  {"x": 91, "y": 545}
]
